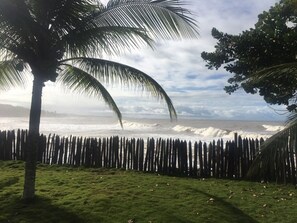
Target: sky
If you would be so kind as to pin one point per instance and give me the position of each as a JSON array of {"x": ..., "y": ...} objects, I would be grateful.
[{"x": 178, "y": 67}]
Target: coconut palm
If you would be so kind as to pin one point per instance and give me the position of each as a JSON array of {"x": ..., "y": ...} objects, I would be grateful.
[
  {"x": 270, "y": 163},
  {"x": 65, "y": 41}
]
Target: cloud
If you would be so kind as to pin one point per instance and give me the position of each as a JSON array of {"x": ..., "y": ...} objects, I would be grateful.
[{"x": 179, "y": 68}]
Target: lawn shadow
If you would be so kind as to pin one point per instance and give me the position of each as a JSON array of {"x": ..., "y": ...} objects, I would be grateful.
[
  {"x": 226, "y": 211},
  {"x": 39, "y": 210},
  {"x": 8, "y": 182}
]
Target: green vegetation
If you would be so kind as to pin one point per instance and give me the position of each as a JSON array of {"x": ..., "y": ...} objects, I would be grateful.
[
  {"x": 269, "y": 49},
  {"x": 66, "y": 194},
  {"x": 263, "y": 60}
]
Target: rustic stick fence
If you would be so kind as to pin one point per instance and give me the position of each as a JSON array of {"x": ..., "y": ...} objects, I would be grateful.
[{"x": 219, "y": 159}]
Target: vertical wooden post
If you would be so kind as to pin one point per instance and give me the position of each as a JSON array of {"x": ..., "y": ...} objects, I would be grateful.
[{"x": 190, "y": 160}]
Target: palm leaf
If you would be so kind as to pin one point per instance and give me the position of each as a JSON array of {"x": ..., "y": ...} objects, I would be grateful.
[
  {"x": 276, "y": 72},
  {"x": 270, "y": 163},
  {"x": 276, "y": 76},
  {"x": 16, "y": 20},
  {"x": 112, "y": 72},
  {"x": 272, "y": 83},
  {"x": 72, "y": 16},
  {"x": 110, "y": 40},
  {"x": 164, "y": 19},
  {"x": 8, "y": 42},
  {"x": 61, "y": 16},
  {"x": 80, "y": 81},
  {"x": 127, "y": 24},
  {"x": 11, "y": 74}
]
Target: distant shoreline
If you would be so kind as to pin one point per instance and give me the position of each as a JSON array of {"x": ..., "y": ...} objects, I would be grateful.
[{"x": 7, "y": 110}]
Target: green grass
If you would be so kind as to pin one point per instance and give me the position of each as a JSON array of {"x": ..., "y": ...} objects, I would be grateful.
[{"x": 102, "y": 195}]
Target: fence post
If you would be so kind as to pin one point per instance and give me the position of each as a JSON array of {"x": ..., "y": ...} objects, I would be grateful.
[{"x": 171, "y": 156}]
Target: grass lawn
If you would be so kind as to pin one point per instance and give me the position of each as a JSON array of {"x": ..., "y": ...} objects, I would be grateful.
[{"x": 103, "y": 195}]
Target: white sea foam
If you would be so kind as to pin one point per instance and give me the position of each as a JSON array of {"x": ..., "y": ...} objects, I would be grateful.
[
  {"x": 138, "y": 125},
  {"x": 273, "y": 128},
  {"x": 249, "y": 135},
  {"x": 206, "y": 132},
  {"x": 210, "y": 133},
  {"x": 193, "y": 130}
]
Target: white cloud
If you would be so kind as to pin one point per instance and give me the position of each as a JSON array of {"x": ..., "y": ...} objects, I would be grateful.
[{"x": 178, "y": 67}]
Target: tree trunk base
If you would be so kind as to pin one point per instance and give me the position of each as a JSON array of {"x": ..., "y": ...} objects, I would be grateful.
[{"x": 29, "y": 185}]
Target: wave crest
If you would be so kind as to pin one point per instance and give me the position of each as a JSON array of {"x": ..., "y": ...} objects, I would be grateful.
[
  {"x": 138, "y": 125},
  {"x": 273, "y": 128},
  {"x": 206, "y": 132}
]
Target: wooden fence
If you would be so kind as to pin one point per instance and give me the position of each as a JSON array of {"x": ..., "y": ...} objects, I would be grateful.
[{"x": 219, "y": 159}]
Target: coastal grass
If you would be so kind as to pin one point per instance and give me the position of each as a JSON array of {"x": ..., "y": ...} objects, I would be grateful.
[{"x": 66, "y": 194}]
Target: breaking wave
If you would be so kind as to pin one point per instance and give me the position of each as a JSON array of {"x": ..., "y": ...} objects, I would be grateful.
[
  {"x": 138, "y": 125},
  {"x": 273, "y": 128},
  {"x": 193, "y": 130},
  {"x": 206, "y": 132}
]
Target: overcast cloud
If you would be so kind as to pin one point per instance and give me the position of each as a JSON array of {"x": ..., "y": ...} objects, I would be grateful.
[{"x": 178, "y": 67}]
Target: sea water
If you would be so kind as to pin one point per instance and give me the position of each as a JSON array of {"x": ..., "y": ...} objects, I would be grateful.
[{"x": 183, "y": 128}]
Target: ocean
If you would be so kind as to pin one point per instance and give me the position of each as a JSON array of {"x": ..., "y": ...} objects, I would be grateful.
[{"x": 184, "y": 128}]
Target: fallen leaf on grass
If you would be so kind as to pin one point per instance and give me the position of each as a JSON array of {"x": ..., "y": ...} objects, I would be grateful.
[{"x": 211, "y": 200}]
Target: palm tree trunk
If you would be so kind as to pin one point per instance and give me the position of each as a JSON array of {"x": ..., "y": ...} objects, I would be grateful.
[{"x": 32, "y": 148}]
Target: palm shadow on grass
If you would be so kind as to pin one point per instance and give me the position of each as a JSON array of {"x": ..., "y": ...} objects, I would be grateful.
[
  {"x": 39, "y": 210},
  {"x": 226, "y": 211},
  {"x": 8, "y": 182}
]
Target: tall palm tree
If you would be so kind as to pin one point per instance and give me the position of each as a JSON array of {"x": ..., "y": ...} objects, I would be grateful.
[
  {"x": 64, "y": 40},
  {"x": 271, "y": 162}
]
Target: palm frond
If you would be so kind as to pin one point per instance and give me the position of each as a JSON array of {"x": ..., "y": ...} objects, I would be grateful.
[
  {"x": 12, "y": 46},
  {"x": 82, "y": 82},
  {"x": 16, "y": 20},
  {"x": 8, "y": 42},
  {"x": 292, "y": 117},
  {"x": 270, "y": 163},
  {"x": 276, "y": 84},
  {"x": 111, "y": 40},
  {"x": 60, "y": 14},
  {"x": 71, "y": 14},
  {"x": 276, "y": 72},
  {"x": 165, "y": 19},
  {"x": 112, "y": 72},
  {"x": 12, "y": 74}
]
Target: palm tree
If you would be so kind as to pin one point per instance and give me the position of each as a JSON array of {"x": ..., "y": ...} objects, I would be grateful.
[
  {"x": 271, "y": 162},
  {"x": 64, "y": 41}
]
